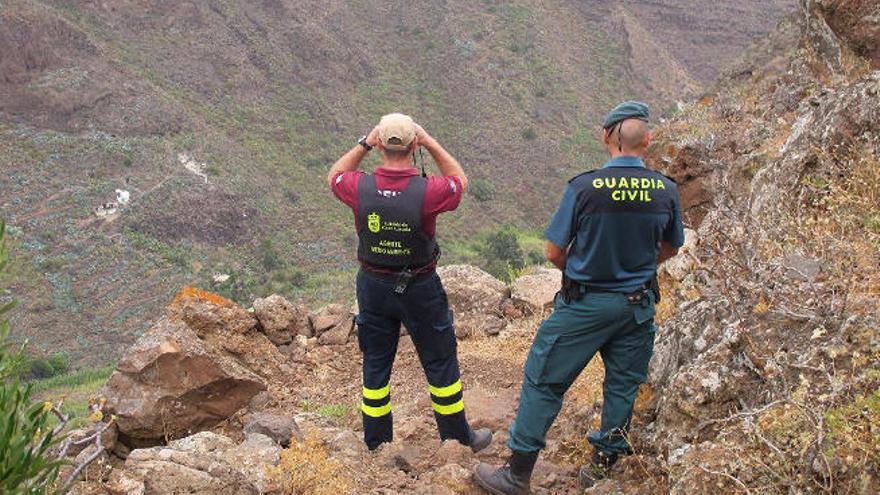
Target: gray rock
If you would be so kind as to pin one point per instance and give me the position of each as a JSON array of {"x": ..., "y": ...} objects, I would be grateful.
[
  {"x": 281, "y": 429},
  {"x": 205, "y": 463}
]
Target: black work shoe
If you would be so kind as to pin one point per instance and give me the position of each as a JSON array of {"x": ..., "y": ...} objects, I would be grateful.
[
  {"x": 597, "y": 469},
  {"x": 480, "y": 439},
  {"x": 510, "y": 479}
]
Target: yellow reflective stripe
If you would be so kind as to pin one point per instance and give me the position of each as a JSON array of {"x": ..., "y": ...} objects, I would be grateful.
[
  {"x": 446, "y": 391},
  {"x": 450, "y": 409},
  {"x": 377, "y": 393},
  {"x": 376, "y": 412}
]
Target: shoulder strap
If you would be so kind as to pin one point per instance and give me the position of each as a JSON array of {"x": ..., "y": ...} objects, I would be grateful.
[
  {"x": 367, "y": 185},
  {"x": 417, "y": 185}
]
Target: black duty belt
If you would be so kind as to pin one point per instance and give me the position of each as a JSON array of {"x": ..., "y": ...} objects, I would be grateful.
[
  {"x": 574, "y": 291},
  {"x": 401, "y": 279}
]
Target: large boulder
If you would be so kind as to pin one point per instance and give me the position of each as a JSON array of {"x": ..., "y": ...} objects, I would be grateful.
[
  {"x": 205, "y": 463},
  {"x": 536, "y": 291},
  {"x": 190, "y": 371},
  {"x": 171, "y": 384},
  {"x": 475, "y": 298},
  {"x": 472, "y": 290},
  {"x": 279, "y": 319}
]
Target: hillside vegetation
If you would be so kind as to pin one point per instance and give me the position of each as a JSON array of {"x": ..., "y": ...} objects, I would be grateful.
[{"x": 220, "y": 118}]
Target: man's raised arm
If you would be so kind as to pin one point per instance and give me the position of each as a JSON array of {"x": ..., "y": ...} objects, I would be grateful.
[{"x": 350, "y": 161}]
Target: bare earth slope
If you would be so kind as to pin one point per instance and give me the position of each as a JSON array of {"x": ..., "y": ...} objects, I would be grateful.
[{"x": 220, "y": 118}]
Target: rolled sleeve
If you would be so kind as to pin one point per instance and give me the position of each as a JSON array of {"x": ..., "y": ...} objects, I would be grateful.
[
  {"x": 561, "y": 228},
  {"x": 674, "y": 231},
  {"x": 442, "y": 194}
]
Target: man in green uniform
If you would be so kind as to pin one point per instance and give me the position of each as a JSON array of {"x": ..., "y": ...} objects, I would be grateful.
[{"x": 613, "y": 226}]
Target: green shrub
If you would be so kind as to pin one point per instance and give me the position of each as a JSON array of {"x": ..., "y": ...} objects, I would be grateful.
[
  {"x": 502, "y": 254},
  {"x": 529, "y": 133},
  {"x": 25, "y": 439},
  {"x": 482, "y": 189},
  {"x": 269, "y": 256},
  {"x": 60, "y": 363},
  {"x": 40, "y": 368},
  {"x": 46, "y": 367}
]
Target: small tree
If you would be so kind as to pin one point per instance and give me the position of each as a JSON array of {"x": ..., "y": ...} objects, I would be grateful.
[{"x": 502, "y": 254}]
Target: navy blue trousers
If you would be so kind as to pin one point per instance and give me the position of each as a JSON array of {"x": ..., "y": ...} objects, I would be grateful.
[{"x": 424, "y": 310}]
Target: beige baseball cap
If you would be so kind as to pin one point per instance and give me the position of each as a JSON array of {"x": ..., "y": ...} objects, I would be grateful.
[{"x": 396, "y": 131}]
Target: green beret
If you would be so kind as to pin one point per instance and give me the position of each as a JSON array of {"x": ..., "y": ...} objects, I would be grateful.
[{"x": 626, "y": 110}]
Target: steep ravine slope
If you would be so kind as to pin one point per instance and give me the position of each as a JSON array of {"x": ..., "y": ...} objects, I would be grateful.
[
  {"x": 767, "y": 374},
  {"x": 220, "y": 117}
]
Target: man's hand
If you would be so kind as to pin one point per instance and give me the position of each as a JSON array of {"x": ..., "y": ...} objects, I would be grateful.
[
  {"x": 352, "y": 160},
  {"x": 373, "y": 137},
  {"x": 448, "y": 165},
  {"x": 422, "y": 137}
]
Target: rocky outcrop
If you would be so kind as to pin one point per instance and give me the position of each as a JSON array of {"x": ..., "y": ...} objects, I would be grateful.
[
  {"x": 205, "y": 463},
  {"x": 280, "y": 320},
  {"x": 680, "y": 265},
  {"x": 193, "y": 369},
  {"x": 769, "y": 309},
  {"x": 846, "y": 25},
  {"x": 688, "y": 164}
]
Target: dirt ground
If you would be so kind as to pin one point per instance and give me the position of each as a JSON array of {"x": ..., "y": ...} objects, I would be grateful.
[{"x": 327, "y": 383}]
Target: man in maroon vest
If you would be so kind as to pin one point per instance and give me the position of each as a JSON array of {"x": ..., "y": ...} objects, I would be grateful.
[{"x": 395, "y": 212}]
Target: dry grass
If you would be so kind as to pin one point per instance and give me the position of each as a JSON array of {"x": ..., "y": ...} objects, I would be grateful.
[{"x": 307, "y": 469}]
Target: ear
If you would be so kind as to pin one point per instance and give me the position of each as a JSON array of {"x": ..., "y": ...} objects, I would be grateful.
[
  {"x": 648, "y": 137},
  {"x": 606, "y": 137}
]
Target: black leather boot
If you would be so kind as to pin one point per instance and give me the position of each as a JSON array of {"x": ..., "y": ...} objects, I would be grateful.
[
  {"x": 597, "y": 469},
  {"x": 510, "y": 479},
  {"x": 480, "y": 439}
]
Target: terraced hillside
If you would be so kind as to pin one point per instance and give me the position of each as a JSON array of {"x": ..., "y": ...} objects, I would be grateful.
[{"x": 220, "y": 117}]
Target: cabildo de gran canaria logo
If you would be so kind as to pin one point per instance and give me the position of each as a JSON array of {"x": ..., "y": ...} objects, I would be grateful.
[{"x": 374, "y": 222}]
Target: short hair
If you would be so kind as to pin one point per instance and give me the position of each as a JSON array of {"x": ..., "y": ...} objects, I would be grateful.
[
  {"x": 631, "y": 133},
  {"x": 397, "y": 154}
]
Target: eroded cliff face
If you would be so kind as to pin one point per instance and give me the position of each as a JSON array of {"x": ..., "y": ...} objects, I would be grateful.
[{"x": 767, "y": 373}]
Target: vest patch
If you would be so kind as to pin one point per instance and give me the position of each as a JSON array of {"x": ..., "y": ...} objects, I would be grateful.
[
  {"x": 374, "y": 222},
  {"x": 629, "y": 188}
]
